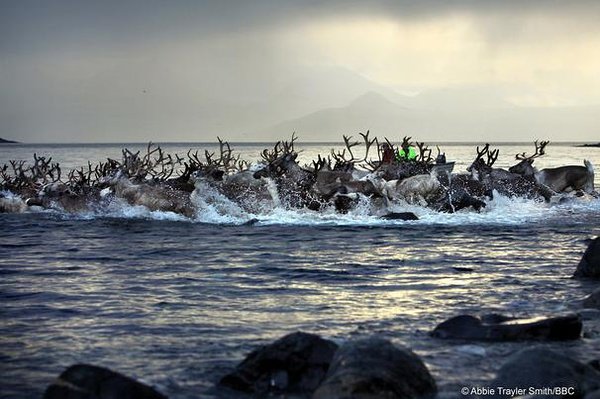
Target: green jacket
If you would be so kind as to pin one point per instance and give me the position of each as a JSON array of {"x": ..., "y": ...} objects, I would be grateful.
[{"x": 402, "y": 156}]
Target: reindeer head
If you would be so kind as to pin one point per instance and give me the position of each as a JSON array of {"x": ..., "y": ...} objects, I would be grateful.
[
  {"x": 280, "y": 160},
  {"x": 525, "y": 167},
  {"x": 481, "y": 167},
  {"x": 212, "y": 167}
]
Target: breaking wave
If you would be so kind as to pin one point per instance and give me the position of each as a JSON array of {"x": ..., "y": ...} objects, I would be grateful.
[{"x": 212, "y": 207}]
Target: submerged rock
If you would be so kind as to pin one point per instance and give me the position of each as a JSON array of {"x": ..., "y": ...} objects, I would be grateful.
[
  {"x": 83, "y": 381},
  {"x": 501, "y": 328},
  {"x": 541, "y": 368},
  {"x": 375, "y": 368},
  {"x": 589, "y": 265},
  {"x": 295, "y": 363},
  {"x": 400, "y": 216},
  {"x": 592, "y": 301}
]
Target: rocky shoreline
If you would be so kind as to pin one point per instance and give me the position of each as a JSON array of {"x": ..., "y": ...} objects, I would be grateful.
[{"x": 304, "y": 365}]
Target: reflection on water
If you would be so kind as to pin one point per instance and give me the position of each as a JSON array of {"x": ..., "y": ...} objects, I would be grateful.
[{"x": 178, "y": 304}]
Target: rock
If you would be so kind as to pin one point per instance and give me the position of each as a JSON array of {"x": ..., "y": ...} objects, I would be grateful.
[
  {"x": 593, "y": 300},
  {"x": 463, "y": 269},
  {"x": 295, "y": 363},
  {"x": 539, "y": 368},
  {"x": 500, "y": 328},
  {"x": 83, "y": 381},
  {"x": 375, "y": 368},
  {"x": 589, "y": 265},
  {"x": 400, "y": 216}
]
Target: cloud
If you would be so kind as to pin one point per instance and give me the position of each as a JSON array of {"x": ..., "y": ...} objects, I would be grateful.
[
  {"x": 30, "y": 25},
  {"x": 86, "y": 69}
]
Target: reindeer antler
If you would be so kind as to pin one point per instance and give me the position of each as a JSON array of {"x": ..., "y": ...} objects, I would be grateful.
[
  {"x": 491, "y": 156},
  {"x": 342, "y": 162},
  {"x": 539, "y": 151},
  {"x": 424, "y": 153},
  {"x": 321, "y": 163}
]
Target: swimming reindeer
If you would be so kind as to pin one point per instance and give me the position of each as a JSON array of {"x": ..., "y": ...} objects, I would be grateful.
[{"x": 562, "y": 179}]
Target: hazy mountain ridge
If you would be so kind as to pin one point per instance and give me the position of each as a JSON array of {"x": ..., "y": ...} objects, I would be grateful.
[
  {"x": 319, "y": 103},
  {"x": 442, "y": 115}
]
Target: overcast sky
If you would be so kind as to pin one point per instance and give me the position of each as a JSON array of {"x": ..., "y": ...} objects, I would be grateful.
[{"x": 98, "y": 71}]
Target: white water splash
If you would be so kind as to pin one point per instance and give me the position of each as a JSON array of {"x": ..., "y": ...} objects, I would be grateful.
[{"x": 213, "y": 207}]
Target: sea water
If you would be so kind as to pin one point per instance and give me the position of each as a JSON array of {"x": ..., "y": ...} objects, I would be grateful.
[{"x": 177, "y": 303}]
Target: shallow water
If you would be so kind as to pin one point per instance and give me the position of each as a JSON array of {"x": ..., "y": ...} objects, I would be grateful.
[{"x": 178, "y": 303}]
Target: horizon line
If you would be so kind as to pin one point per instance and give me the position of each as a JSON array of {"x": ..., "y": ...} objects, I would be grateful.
[{"x": 272, "y": 142}]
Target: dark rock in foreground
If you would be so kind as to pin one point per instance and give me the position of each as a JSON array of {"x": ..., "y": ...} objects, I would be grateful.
[
  {"x": 400, "y": 216},
  {"x": 83, "y": 381},
  {"x": 375, "y": 368},
  {"x": 500, "y": 328},
  {"x": 593, "y": 300},
  {"x": 589, "y": 265},
  {"x": 295, "y": 363},
  {"x": 539, "y": 368}
]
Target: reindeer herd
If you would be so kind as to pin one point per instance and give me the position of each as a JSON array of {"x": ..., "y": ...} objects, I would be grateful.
[{"x": 339, "y": 181}]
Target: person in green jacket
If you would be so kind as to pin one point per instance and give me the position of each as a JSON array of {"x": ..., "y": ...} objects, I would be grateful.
[{"x": 406, "y": 153}]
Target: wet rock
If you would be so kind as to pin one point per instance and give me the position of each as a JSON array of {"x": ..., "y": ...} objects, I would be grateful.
[
  {"x": 593, "y": 300},
  {"x": 501, "y": 328},
  {"x": 589, "y": 265},
  {"x": 463, "y": 269},
  {"x": 295, "y": 363},
  {"x": 400, "y": 216},
  {"x": 375, "y": 368},
  {"x": 83, "y": 381},
  {"x": 251, "y": 222},
  {"x": 539, "y": 368}
]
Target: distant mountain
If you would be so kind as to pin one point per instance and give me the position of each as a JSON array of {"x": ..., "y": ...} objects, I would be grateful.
[
  {"x": 440, "y": 116},
  {"x": 4, "y": 141},
  {"x": 369, "y": 111}
]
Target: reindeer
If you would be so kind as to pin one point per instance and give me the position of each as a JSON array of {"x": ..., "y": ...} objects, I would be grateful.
[
  {"x": 419, "y": 189},
  {"x": 140, "y": 180},
  {"x": 504, "y": 181},
  {"x": 294, "y": 183},
  {"x": 40, "y": 184},
  {"x": 562, "y": 179},
  {"x": 480, "y": 168}
]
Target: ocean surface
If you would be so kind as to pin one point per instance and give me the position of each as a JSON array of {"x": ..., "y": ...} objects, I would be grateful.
[{"x": 178, "y": 303}]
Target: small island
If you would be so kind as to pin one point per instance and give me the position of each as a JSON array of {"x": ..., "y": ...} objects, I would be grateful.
[
  {"x": 4, "y": 141},
  {"x": 589, "y": 145}
]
